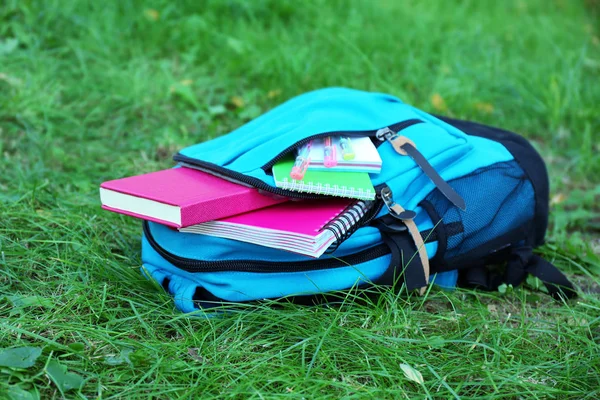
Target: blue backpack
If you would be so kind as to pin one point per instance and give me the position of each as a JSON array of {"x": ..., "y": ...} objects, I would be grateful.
[{"x": 458, "y": 203}]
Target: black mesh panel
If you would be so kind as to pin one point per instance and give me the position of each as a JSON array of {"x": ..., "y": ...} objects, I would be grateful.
[{"x": 499, "y": 199}]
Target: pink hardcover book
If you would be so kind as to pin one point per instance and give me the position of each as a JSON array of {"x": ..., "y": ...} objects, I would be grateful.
[
  {"x": 306, "y": 227},
  {"x": 180, "y": 197}
]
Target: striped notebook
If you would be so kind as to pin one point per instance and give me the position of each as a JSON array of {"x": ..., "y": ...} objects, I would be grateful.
[
  {"x": 354, "y": 185},
  {"x": 304, "y": 227}
]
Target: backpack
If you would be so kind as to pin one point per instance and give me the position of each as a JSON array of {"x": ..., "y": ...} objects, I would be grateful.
[{"x": 458, "y": 203}]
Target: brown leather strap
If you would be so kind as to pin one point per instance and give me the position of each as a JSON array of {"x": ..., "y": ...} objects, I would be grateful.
[
  {"x": 399, "y": 142},
  {"x": 418, "y": 239}
]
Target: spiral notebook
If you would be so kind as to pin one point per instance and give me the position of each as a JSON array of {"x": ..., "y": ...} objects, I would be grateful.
[
  {"x": 354, "y": 185},
  {"x": 304, "y": 227}
]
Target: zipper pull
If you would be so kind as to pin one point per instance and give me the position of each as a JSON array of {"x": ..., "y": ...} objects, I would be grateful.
[
  {"x": 404, "y": 146},
  {"x": 395, "y": 140},
  {"x": 394, "y": 208},
  {"x": 386, "y": 133}
]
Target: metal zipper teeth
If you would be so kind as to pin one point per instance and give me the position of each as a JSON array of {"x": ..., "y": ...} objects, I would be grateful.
[
  {"x": 239, "y": 177},
  {"x": 191, "y": 265},
  {"x": 397, "y": 127},
  {"x": 254, "y": 182}
]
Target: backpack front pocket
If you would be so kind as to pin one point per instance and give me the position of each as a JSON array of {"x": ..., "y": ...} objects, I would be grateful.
[
  {"x": 259, "y": 141},
  {"x": 248, "y": 154}
]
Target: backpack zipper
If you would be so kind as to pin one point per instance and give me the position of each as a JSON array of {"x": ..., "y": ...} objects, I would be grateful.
[
  {"x": 237, "y": 177},
  {"x": 260, "y": 185},
  {"x": 192, "y": 265},
  {"x": 397, "y": 127}
]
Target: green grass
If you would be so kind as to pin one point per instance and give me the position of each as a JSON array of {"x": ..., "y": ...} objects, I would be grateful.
[{"x": 92, "y": 91}]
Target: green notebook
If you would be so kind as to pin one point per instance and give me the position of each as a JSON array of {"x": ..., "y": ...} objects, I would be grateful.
[{"x": 355, "y": 185}]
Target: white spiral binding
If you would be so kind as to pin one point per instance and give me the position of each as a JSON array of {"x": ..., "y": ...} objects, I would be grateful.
[{"x": 319, "y": 188}]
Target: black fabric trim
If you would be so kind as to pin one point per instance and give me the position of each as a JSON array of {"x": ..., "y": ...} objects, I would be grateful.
[
  {"x": 202, "y": 294},
  {"x": 388, "y": 223},
  {"x": 494, "y": 251},
  {"x": 556, "y": 282},
  {"x": 442, "y": 235},
  {"x": 528, "y": 159},
  {"x": 405, "y": 262},
  {"x": 479, "y": 277},
  {"x": 165, "y": 284},
  {"x": 358, "y": 293},
  {"x": 520, "y": 262},
  {"x": 204, "y": 299},
  {"x": 454, "y": 228},
  {"x": 451, "y": 229}
]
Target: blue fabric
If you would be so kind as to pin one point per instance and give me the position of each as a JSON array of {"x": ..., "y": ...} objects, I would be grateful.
[
  {"x": 250, "y": 147},
  {"x": 216, "y": 249},
  {"x": 247, "y": 149},
  {"x": 445, "y": 280},
  {"x": 244, "y": 286}
]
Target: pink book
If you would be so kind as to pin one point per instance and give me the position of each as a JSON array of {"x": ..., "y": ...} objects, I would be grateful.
[
  {"x": 307, "y": 227},
  {"x": 180, "y": 197}
]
